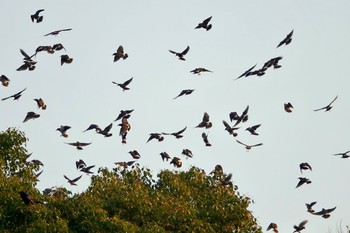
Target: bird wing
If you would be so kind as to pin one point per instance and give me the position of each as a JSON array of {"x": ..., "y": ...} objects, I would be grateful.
[
  {"x": 255, "y": 127},
  {"x": 206, "y": 21},
  {"x": 241, "y": 143},
  {"x": 83, "y": 144},
  {"x": 76, "y": 179},
  {"x": 38, "y": 11},
  {"x": 26, "y": 56},
  {"x": 259, "y": 144},
  {"x": 108, "y": 128},
  {"x": 206, "y": 117},
  {"x": 303, "y": 223},
  {"x": 66, "y": 178},
  {"x": 333, "y": 101},
  {"x": 185, "y": 51},
  {"x": 246, "y": 73},
  {"x": 181, "y": 131},
  {"x": 120, "y": 50},
  {"x": 127, "y": 82},
  {"x": 172, "y": 51}
]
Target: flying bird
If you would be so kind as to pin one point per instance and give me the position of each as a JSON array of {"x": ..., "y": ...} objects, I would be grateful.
[
  {"x": 157, "y": 136},
  {"x": 187, "y": 153},
  {"x": 205, "y": 122},
  {"x": 272, "y": 226},
  {"x": 31, "y": 115},
  {"x": 123, "y": 113},
  {"x": 15, "y": 96},
  {"x": 66, "y": 59},
  {"x": 58, "y": 47},
  {"x": 303, "y": 180},
  {"x": 55, "y": 33},
  {"x": 229, "y": 129},
  {"x": 248, "y": 147},
  {"x": 63, "y": 130},
  {"x": 205, "y": 139},
  {"x": 165, "y": 156},
  {"x": 41, "y": 104},
  {"x": 328, "y": 107},
  {"x": 36, "y": 17},
  {"x": 5, "y": 81},
  {"x": 80, "y": 164},
  {"x": 87, "y": 169},
  {"x": 325, "y": 213},
  {"x": 309, "y": 206},
  {"x": 106, "y": 130},
  {"x": 120, "y": 54},
  {"x": 27, "y": 198},
  {"x": 247, "y": 72},
  {"x": 288, "y": 107},
  {"x": 72, "y": 182},
  {"x": 176, "y": 162},
  {"x": 344, "y": 155},
  {"x": 184, "y": 92},
  {"x": 205, "y": 24},
  {"x": 30, "y": 65},
  {"x": 273, "y": 62},
  {"x": 79, "y": 145},
  {"x": 124, "y": 128},
  {"x": 177, "y": 134},
  {"x": 125, "y": 164},
  {"x": 287, "y": 39},
  {"x": 300, "y": 227},
  {"x": 124, "y": 85},
  {"x": 242, "y": 118},
  {"x": 135, "y": 154},
  {"x": 304, "y": 166},
  {"x": 95, "y": 127},
  {"x": 199, "y": 71},
  {"x": 253, "y": 128},
  {"x": 182, "y": 54}
]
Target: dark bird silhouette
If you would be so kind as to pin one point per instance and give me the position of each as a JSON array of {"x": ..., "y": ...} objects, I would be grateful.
[
  {"x": 120, "y": 54},
  {"x": 309, "y": 206},
  {"x": 93, "y": 126},
  {"x": 272, "y": 226},
  {"x": 182, "y": 54},
  {"x": 325, "y": 213},
  {"x": 300, "y": 227},
  {"x": 48, "y": 191},
  {"x": 63, "y": 130},
  {"x": 229, "y": 129},
  {"x": 288, "y": 107},
  {"x": 157, "y": 136},
  {"x": 344, "y": 155},
  {"x": 165, "y": 156},
  {"x": 248, "y": 147},
  {"x": 87, "y": 169},
  {"x": 124, "y": 164},
  {"x": 205, "y": 24},
  {"x": 40, "y": 103},
  {"x": 79, "y": 145},
  {"x": 26, "y": 57},
  {"x": 135, "y": 154},
  {"x": 124, "y": 85},
  {"x": 184, "y": 92},
  {"x": 273, "y": 62},
  {"x": 286, "y": 40},
  {"x": 304, "y": 166},
  {"x": 123, "y": 113},
  {"x": 106, "y": 130},
  {"x": 55, "y": 33},
  {"x": 66, "y": 59},
  {"x": 27, "y": 198},
  {"x": 242, "y": 118},
  {"x": 31, "y": 115},
  {"x": 37, "y": 162},
  {"x": 252, "y": 129},
  {"x": 15, "y": 96},
  {"x": 227, "y": 180},
  {"x": 205, "y": 122},
  {"x": 36, "y": 17},
  {"x": 303, "y": 180},
  {"x": 42, "y": 48},
  {"x": 199, "y": 71},
  {"x": 177, "y": 134},
  {"x": 124, "y": 128},
  {"x": 328, "y": 107},
  {"x": 5, "y": 81},
  {"x": 27, "y": 65},
  {"x": 176, "y": 162},
  {"x": 205, "y": 139},
  {"x": 80, "y": 164},
  {"x": 72, "y": 182},
  {"x": 187, "y": 153},
  {"x": 218, "y": 171},
  {"x": 233, "y": 116},
  {"x": 58, "y": 47},
  {"x": 247, "y": 72}
]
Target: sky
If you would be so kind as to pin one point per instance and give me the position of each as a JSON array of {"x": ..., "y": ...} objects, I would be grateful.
[{"x": 244, "y": 33}]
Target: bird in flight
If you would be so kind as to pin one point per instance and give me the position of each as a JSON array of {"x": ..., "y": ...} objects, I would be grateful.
[
  {"x": 58, "y": 47},
  {"x": 63, "y": 130},
  {"x": 205, "y": 122},
  {"x": 182, "y": 54},
  {"x": 31, "y": 115},
  {"x": 125, "y": 164},
  {"x": 124, "y": 128},
  {"x": 176, "y": 162},
  {"x": 120, "y": 54},
  {"x": 205, "y": 24},
  {"x": 165, "y": 156},
  {"x": 123, "y": 113},
  {"x": 288, "y": 107},
  {"x": 309, "y": 206},
  {"x": 72, "y": 182},
  {"x": 325, "y": 213},
  {"x": 247, "y": 72},
  {"x": 303, "y": 180},
  {"x": 184, "y": 92},
  {"x": 328, "y": 107},
  {"x": 242, "y": 118},
  {"x": 5, "y": 81},
  {"x": 157, "y": 136},
  {"x": 199, "y": 71},
  {"x": 272, "y": 226},
  {"x": 87, "y": 169},
  {"x": 124, "y": 85},
  {"x": 78, "y": 145},
  {"x": 80, "y": 164},
  {"x": 253, "y": 128},
  {"x": 205, "y": 139},
  {"x": 41, "y": 104},
  {"x": 55, "y": 33},
  {"x": 248, "y": 147},
  {"x": 300, "y": 227},
  {"x": 229, "y": 129},
  {"x": 93, "y": 126},
  {"x": 36, "y": 17},
  {"x": 135, "y": 154},
  {"x": 106, "y": 130},
  {"x": 66, "y": 59},
  {"x": 15, "y": 96},
  {"x": 177, "y": 134},
  {"x": 304, "y": 166},
  {"x": 287, "y": 39},
  {"x": 187, "y": 153},
  {"x": 344, "y": 155}
]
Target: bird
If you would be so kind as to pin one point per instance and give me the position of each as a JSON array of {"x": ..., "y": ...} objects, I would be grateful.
[
  {"x": 58, "y": 47},
  {"x": 205, "y": 24},
  {"x": 123, "y": 113},
  {"x": 187, "y": 153},
  {"x": 72, "y": 182},
  {"x": 248, "y": 147},
  {"x": 165, "y": 156},
  {"x": 344, "y": 155},
  {"x": 48, "y": 191},
  {"x": 199, "y": 71},
  {"x": 328, "y": 107},
  {"x": 41, "y": 104},
  {"x": 273, "y": 62},
  {"x": 182, "y": 54},
  {"x": 205, "y": 122},
  {"x": 41, "y": 48},
  {"x": 36, "y": 17},
  {"x": 247, "y": 72},
  {"x": 31, "y": 115},
  {"x": 233, "y": 116},
  {"x": 95, "y": 127},
  {"x": 15, "y": 96},
  {"x": 87, "y": 169},
  {"x": 288, "y": 107},
  {"x": 80, "y": 164},
  {"x": 125, "y": 164},
  {"x": 66, "y": 59},
  {"x": 184, "y": 92},
  {"x": 79, "y": 145},
  {"x": 37, "y": 162},
  {"x": 176, "y": 162},
  {"x": 309, "y": 206},
  {"x": 300, "y": 227},
  {"x": 304, "y": 166},
  {"x": 55, "y": 33},
  {"x": 205, "y": 139},
  {"x": 303, "y": 180},
  {"x": 325, "y": 213},
  {"x": 229, "y": 129},
  {"x": 124, "y": 85},
  {"x": 124, "y": 128},
  {"x": 26, "y": 57},
  {"x": 5, "y": 81},
  {"x": 286, "y": 40},
  {"x": 177, "y": 134},
  {"x": 252, "y": 129},
  {"x": 227, "y": 180},
  {"x": 120, "y": 54},
  {"x": 135, "y": 154},
  {"x": 242, "y": 118},
  {"x": 30, "y": 65},
  {"x": 27, "y": 198},
  {"x": 106, "y": 130},
  {"x": 63, "y": 130},
  {"x": 157, "y": 136},
  {"x": 218, "y": 171},
  {"x": 272, "y": 226}
]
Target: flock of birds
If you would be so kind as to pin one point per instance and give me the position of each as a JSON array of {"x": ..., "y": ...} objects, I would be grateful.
[{"x": 232, "y": 125}]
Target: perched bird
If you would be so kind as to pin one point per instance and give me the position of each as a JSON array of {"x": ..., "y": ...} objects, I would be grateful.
[
  {"x": 184, "y": 92},
  {"x": 205, "y": 122},
  {"x": 248, "y": 147},
  {"x": 87, "y": 169},
  {"x": 124, "y": 85},
  {"x": 218, "y": 171},
  {"x": 165, "y": 156},
  {"x": 80, "y": 164},
  {"x": 63, "y": 130},
  {"x": 135, "y": 154},
  {"x": 31, "y": 115},
  {"x": 15, "y": 96},
  {"x": 287, "y": 39},
  {"x": 325, "y": 213},
  {"x": 123, "y": 113},
  {"x": 36, "y": 17},
  {"x": 309, "y": 206},
  {"x": 182, "y": 54},
  {"x": 157, "y": 136},
  {"x": 187, "y": 152},
  {"x": 205, "y": 24},
  {"x": 288, "y": 107},
  {"x": 95, "y": 127},
  {"x": 177, "y": 134},
  {"x": 304, "y": 166},
  {"x": 72, "y": 182},
  {"x": 229, "y": 129},
  {"x": 199, "y": 71},
  {"x": 205, "y": 139},
  {"x": 247, "y": 72},
  {"x": 328, "y": 107},
  {"x": 66, "y": 59},
  {"x": 79, "y": 145},
  {"x": 125, "y": 164},
  {"x": 176, "y": 162},
  {"x": 124, "y": 128},
  {"x": 27, "y": 198},
  {"x": 300, "y": 227},
  {"x": 55, "y": 33},
  {"x": 106, "y": 130},
  {"x": 5, "y": 81},
  {"x": 120, "y": 54},
  {"x": 272, "y": 226},
  {"x": 252, "y": 129},
  {"x": 41, "y": 104},
  {"x": 344, "y": 155},
  {"x": 303, "y": 180},
  {"x": 58, "y": 47}
]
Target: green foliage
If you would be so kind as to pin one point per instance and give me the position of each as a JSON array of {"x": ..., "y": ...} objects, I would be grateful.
[{"x": 119, "y": 201}]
